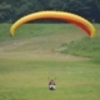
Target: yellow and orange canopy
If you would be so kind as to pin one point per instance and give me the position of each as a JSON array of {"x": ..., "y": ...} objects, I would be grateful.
[{"x": 65, "y": 16}]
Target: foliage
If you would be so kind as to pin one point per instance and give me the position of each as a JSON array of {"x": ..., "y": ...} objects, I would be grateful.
[{"x": 11, "y": 10}]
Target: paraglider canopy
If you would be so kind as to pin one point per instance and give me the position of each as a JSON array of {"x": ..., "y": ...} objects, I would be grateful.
[{"x": 65, "y": 16}]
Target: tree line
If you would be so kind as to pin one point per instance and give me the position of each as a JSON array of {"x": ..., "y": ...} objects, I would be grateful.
[{"x": 11, "y": 10}]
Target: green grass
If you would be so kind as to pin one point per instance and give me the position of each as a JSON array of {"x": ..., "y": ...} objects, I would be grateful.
[
  {"x": 85, "y": 47},
  {"x": 37, "y": 53},
  {"x": 27, "y": 80}
]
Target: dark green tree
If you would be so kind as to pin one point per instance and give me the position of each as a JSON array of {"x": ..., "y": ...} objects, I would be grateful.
[{"x": 11, "y": 10}]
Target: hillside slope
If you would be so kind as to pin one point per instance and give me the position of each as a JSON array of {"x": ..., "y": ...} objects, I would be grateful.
[{"x": 41, "y": 41}]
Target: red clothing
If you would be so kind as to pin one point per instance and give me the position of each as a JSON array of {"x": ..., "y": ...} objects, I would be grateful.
[{"x": 52, "y": 82}]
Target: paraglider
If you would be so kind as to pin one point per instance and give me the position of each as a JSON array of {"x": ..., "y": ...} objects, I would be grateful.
[
  {"x": 52, "y": 84},
  {"x": 60, "y": 15}
]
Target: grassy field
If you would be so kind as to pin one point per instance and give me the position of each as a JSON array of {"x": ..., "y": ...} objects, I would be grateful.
[{"x": 39, "y": 52}]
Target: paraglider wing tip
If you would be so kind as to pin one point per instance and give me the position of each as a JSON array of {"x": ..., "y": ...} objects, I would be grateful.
[
  {"x": 11, "y": 32},
  {"x": 93, "y": 33},
  {"x": 92, "y": 36},
  {"x": 11, "y": 35}
]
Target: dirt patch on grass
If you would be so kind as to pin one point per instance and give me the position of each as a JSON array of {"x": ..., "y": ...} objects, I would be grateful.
[
  {"x": 40, "y": 56},
  {"x": 38, "y": 48}
]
